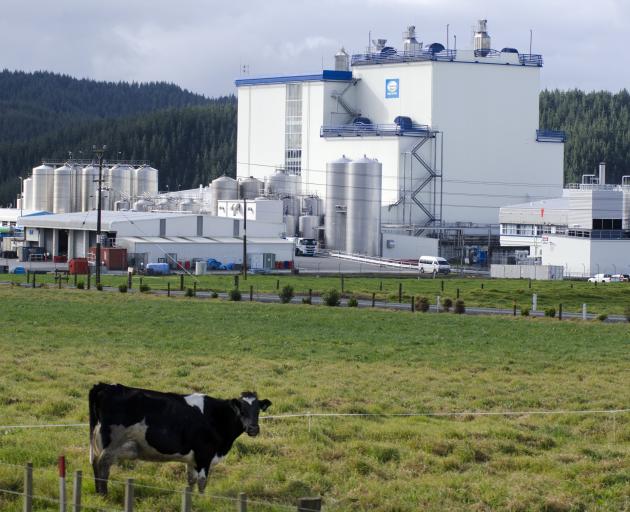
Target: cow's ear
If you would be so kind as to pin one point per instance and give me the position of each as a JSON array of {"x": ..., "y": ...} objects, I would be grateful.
[{"x": 264, "y": 404}]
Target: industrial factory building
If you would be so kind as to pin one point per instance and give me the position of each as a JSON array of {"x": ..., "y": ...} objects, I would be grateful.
[
  {"x": 421, "y": 140},
  {"x": 586, "y": 231}
]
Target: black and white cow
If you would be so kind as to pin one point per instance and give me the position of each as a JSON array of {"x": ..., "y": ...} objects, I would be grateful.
[{"x": 132, "y": 423}]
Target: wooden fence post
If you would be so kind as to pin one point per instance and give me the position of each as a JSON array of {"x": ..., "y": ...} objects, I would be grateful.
[
  {"x": 373, "y": 299},
  {"x": 28, "y": 488},
  {"x": 187, "y": 499},
  {"x": 309, "y": 504},
  {"x": 413, "y": 303},
  {"x": 560, "y": 312},
  {"x": 62, "y": 480},
  {"x": 181, "y": 282},
  {"x": 399, "y": 293},
  {"x": 242, "y": 502},
  {"x": 194, "y": 288},
  {"x": 76, "y": 491},
  {"x": 129, "y": 495},
  {"x": 168, "y": 289},
  {"x": 251, "y": 292}
]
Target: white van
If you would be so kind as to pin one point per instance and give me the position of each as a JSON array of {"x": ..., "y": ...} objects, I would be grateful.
[{"x": 433, "y": 265}]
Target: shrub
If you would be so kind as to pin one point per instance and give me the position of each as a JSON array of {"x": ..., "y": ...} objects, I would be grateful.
[
  {"x": 331, "y": 298},
  {"x": 145, "y": 288},
  {"x": 460, "y": 307},
  {"x": 214, "y": 295},
  {"x": 422, "y": 304},
  {"x": 353, "y": 302},
  {"x": 447, "y": 304},
  {"x": 524, "y": 311},
  {"x": 306, "y": 300},
  {"x": 99, "y": 287},
  {"x": 602, "y": 317},
  {"x": 234, "y": 295},
  {"x": 122, "y": 288},
  {"x": 189, "y": 292},
  {"x": 286, "y": 294},
  {"x": 80, "y": 285},
  {"x": 550, "y": 312}
]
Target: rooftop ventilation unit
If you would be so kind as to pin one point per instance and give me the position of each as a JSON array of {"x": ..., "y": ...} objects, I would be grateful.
[{"x": 482, "y": 39}]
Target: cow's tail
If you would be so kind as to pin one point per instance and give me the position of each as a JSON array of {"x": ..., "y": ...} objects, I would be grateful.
[{"x": 93, "y": 400}]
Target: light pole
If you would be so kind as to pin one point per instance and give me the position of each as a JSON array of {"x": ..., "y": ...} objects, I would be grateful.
[
  {"x": 21, "y": 194},
  {"x": 244, "y": 238},
  {"x": 99, "y": 154}
]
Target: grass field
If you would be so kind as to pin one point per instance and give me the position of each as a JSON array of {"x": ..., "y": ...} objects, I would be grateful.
[
  {"x": 608, "y": 298},
  {"x": 56, "y": 343}
]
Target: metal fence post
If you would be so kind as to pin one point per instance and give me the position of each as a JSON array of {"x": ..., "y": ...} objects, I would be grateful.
[
  {"x": 309, "y": 504},
  {"x": 62, "y": 480},
  {"x": 129, "y": 495},
  {"x": 76, "y": 491},
  {"x": 187, "y": 500},
  {"x": 242, "y": 502},
  {"x": 28, "y": 488}
]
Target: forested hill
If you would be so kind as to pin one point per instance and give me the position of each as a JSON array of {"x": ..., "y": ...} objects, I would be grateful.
[
  {"x": 598, "y": 127},
  {"x": 188, "y": 137}
]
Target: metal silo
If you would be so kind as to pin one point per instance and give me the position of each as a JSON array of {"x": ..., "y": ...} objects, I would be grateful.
[
  {"x": 309, "y": 226},
  {"x": 364, "y": 207},
  {"x": 282, "y": 184},
  {"x": 342, "y": 60},
  {"x": 312, "y": 205},
  {"x": 223, "y": 188},
  {"x": 145, "y": 181},
  {"x": 43, "y": 188},
  {"x": 89, "y": 187},
  {"x": 120, "y": 183},
  {"x": 290, "y": 223},
  {"x": 27, "y": 194},
  {"x": 62, "y": 189},
  {"x": 251, "y": 188},
  {"x": 336, "y": 202},
  {"x": 482, "y": 40}
]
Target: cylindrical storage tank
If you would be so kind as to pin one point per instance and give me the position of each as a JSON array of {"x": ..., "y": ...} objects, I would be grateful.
[
  {"x": 250, "y": 188},
  {"x": 27, "y": 194},
  {"x": 481, "y": 38},
  {"x": 336, "y": 202},
  {"x": 364, "y": 207},
  {"x": 342, "y": 60},
  {"x": 312, "y": 205},
  {"x": 291, "y": 225},
  {"x": 121, "y": 205},
  {"x": 308, "y": 226},
  {"x": 282, "y": 184},
  {"x": 76, "y": 188},
  {"x": 62, "y": 189},
  {"x": 140, "y": 206},
  {"x": 145, "y": 181},
  {"x": 120, "y": 182},
  {"x": 291, "y": 205},
  {"x": 223, "y": 188},
  {"x": 89, "y": 188},
  {"x": 43, "y": 182}
]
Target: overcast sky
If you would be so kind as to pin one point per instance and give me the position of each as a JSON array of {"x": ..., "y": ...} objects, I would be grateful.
[{"x": 202, "y": 45}]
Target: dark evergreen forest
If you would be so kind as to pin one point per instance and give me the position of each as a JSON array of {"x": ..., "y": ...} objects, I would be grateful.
[{"x": 192, "y": 139}]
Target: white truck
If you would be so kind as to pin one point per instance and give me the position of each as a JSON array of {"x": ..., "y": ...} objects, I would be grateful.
[{"x": 304, "y": 246}]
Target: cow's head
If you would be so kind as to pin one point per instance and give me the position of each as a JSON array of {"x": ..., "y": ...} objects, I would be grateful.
[{"x": 247, "y": 407}]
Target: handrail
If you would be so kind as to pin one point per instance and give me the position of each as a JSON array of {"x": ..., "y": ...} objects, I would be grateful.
[
  {"x": 551, "y": 136},
  {"x": 374, "y": 129},
  {"x": 363, "y": 59}
]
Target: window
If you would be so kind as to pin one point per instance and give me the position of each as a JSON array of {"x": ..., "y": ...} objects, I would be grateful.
[{"x": 293, "y": 130}]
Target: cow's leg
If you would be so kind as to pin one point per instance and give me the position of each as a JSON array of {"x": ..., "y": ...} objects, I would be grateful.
[
  {"x": 97, "y": 480},
  {"x": 192, "y": 474},
  {"x": 104, "y": 464},
  {"x": 202, "y": 465}
]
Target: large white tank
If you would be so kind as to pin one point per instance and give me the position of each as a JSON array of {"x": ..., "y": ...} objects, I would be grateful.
[
  {"x": 120, "y": 182},
  {"x": 62, "y": 189},
  {"x": 312, "y": 205},
  {"x": 250, "y": 188},
  {"x": 342, "y": 60},
  {"x": 291, "y": 205},
  {"x": 89, "y": 188},
  {"x": 291, "y": 224},
  {"x": 43, "y": 182},
  {"x": 364, "y": 207},
  {"x": 282, "y": 184},
  {"x": 223, "y": 188},
  {"x": 308, "y": 226},
  {"x": 336, "y": 202},
  {"x": 27, "y": 194},
  {"x": 145, "y": 181},
  {"x": 482, "y": 40}
]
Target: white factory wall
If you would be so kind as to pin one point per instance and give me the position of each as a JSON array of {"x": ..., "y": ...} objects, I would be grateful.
[
  {"x": 407, "y": 247},
  {"x": 587, "y": 205},
  {"x": 583, "y": 256},
  {"x": 260, "y": 131}
]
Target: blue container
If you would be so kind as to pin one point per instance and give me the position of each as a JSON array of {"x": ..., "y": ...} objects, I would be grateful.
[{"x": 158, "y": 269}]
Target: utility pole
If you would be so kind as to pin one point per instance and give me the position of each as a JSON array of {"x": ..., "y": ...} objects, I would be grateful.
[
  {"x": 244, "y": 238},
  {"x": 99, "y": 154}
]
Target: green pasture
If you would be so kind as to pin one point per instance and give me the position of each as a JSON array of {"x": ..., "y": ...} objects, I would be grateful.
[
  {"x": 607, "y": 298},
  {"x": 55, "y": 344}
]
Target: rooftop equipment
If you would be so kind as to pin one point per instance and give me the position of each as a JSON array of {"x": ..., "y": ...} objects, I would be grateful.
[
  {"x": 342, "y": 60},
  {"x": 223, "y": 188},
  {"x": 410, "y": 44},
  {"x": 482, "y": 39},
  {"x": 602, "y": 173},
  {"x": 250, "y": 188}
]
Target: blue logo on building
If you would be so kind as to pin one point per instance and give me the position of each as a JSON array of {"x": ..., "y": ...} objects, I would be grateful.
[{"x": 392, "y": 87}]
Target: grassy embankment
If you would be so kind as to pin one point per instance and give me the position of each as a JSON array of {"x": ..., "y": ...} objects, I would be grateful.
[
  {"x": 608, "y": 298},
  {"x": 56, "y": 344}
]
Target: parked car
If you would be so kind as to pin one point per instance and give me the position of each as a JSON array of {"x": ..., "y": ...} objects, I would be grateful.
[
  {"x": 433, "y": 265},
  {"x": 600, "y": 278},
  {"x": 622, "y": 278}
]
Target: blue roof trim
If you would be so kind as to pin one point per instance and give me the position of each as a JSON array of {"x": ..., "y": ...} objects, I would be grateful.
[{"x": 327, "y": 74}]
